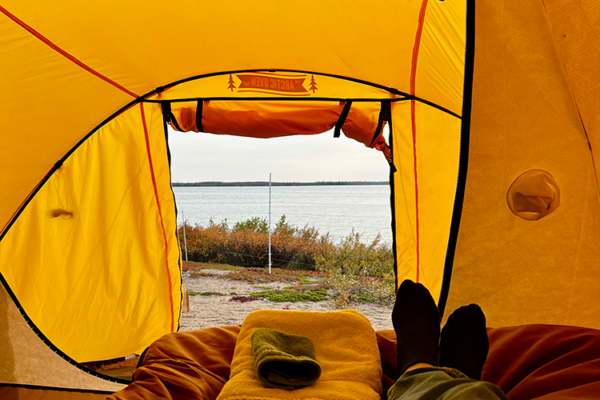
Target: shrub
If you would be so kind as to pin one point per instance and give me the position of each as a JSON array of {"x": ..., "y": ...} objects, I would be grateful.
[
  {"x": 247, "y": 244},
  {"x": 353, "y": 257},
  {"x": 359, "y": 272},
  {"x": 255, "y": 224}
]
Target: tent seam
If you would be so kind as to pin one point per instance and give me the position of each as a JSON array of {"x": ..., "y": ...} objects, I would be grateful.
[
  {"x": 62, "y": 52},
  {"x": 413, "y": 81},
  {"x": 162, "y": 224},
  {"x": 179, "y": 260},
  {"x": 465, "y": 133},
  {"x": 394, "y": 91}
]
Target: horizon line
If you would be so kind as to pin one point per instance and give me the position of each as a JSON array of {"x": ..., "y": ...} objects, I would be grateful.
[{"x": 266, "y": 183}]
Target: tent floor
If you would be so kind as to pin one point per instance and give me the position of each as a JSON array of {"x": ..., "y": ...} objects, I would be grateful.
[{"x": 14, "y": 392}]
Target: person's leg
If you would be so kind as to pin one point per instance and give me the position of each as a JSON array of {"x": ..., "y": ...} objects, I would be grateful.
[
  {"x": 442, "y": 384},
  {"x": 417, "y": 324},
  {"x": 416, "y": 321},
  {"x": 464, "y": 341}
]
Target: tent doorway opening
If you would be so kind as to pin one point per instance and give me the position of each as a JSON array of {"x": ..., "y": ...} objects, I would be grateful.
[{"x": 327, "y": 194}]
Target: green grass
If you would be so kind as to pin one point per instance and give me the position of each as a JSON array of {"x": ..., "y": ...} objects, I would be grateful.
[
  {"x": 267, "y": 287},
  {"x": 204, "y": 265},
  {"x": 205, "y": 294},
  {"x": 293, "y": 295}
]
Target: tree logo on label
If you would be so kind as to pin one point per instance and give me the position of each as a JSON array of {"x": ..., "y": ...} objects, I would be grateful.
[
  {"x": 313, "y": 84},
  {"x": 231, "y": 83}
]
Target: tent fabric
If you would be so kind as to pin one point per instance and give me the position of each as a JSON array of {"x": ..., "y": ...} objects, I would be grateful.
[
  {"x": 99, "y": 238},
  {"x": 41, "y": 393},
  {"x": 528, "y": 362},
  {"x": 575, "y": 29},
  {"x": 525, "y": 118},
  {"x": 424, "y": 190}
]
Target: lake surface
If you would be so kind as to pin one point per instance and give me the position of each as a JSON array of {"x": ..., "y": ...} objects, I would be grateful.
[{"x": 333, "y": 209}]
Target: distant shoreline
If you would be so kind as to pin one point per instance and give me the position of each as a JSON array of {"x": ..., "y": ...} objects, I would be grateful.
[{"x": 261, "y": 183}]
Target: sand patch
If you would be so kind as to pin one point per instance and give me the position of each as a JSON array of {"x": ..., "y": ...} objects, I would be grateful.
[{"x": 217, "y": 310}]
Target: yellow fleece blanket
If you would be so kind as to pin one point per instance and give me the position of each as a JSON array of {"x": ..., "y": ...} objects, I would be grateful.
[{"x": 345, "y": 347}]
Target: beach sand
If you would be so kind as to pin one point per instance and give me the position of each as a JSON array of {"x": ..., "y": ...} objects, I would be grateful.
[{"x": 218, "y": 310}]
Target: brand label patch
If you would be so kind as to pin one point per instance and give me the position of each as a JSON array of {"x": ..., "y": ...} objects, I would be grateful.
[{"x": 273, "y": 83}]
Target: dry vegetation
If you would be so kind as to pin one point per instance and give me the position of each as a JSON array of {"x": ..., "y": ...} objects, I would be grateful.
[{"x": 351, "y": 271}]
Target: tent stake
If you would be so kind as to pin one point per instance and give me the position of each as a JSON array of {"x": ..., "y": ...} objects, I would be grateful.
[
  {"x": 186, "y": 302},
  {"x": 269, "y": 222},
  {"x": 184, "y": 239}
]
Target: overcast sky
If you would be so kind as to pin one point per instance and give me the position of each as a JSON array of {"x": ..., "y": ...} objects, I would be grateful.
[{"x": 200, "y": 157}]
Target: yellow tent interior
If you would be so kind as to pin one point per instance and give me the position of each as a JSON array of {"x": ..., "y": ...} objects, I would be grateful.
[{"x": 493, "y": 109}]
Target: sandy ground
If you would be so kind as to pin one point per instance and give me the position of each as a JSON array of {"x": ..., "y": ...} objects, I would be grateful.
[{"x": 215, "y": 310}]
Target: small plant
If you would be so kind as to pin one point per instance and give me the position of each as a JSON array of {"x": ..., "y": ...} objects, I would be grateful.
[
  {"x": 255, "y": 224},
  {"x": 245, "y": 299},
  {"x": 253, "y": 275},
  {"x": 359, "y": 272},
  {"x": 206, "y": 294},
  {"x": 199, "y": 274},
  {"x": 293, "y": 295}
]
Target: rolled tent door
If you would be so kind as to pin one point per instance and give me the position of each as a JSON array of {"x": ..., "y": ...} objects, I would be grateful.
[{"x": 93, "y": 258}]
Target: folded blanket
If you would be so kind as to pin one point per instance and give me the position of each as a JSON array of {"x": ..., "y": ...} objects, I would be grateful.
[
  {"x": 345, "y": 347},
  {"x": 284, "y": 361}
]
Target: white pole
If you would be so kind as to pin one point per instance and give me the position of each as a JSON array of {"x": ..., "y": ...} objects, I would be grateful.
[
  {"x": 184, "y": 239},
  {"x": 269, "y": 222}
]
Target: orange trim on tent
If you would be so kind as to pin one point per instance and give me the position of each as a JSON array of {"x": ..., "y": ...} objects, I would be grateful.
[
  {"x": 413, "y": 80},
  {"x": 10, "y": 220},
  {"x": 64, "y": 53},
  {"x": 162, "y": 225}
]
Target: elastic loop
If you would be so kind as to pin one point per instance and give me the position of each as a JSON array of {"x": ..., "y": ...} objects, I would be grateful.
[
  {"x": 199, "y": 109},
  {"x": 342, "y": 119}
]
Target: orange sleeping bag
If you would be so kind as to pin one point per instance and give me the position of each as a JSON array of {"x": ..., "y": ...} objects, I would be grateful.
[{"x": 529, "y": 362}]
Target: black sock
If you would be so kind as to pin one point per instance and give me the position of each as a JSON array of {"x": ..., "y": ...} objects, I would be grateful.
[
  {"x": 464, "y": 344},
  {"x": 417, "y": 324}
]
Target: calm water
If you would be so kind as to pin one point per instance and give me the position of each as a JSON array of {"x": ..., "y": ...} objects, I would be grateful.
[{"x": 333, "y": 209}]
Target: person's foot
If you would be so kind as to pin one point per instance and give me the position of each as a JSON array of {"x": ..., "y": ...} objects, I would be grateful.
[
  {"x": 417, "y": 324},
  {"x": 464, "y": 343}
]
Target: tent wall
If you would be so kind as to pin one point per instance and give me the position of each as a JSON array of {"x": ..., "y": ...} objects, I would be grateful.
[
  {"x": 426, "y": 144},
  {"x": 93, "y": 258},
  {"x": 575, "y": 28},
  {"x": 525, "y": 117},
  {"x": 424, "y": 187},
  {"x": 39, "y": 125}
]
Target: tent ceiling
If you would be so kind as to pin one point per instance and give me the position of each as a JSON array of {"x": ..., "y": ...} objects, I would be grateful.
[{"x": 68, "y": 66}]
